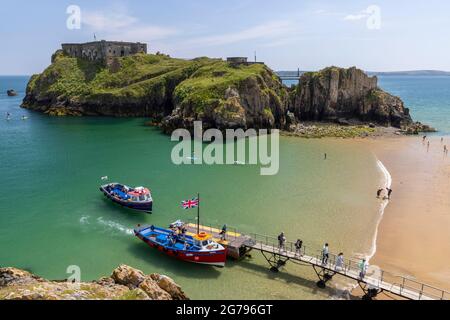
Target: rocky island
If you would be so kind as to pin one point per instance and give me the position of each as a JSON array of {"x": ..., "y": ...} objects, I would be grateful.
[
  {"x": 222, "y": 94},
  {"x": 125, "y": 283}
]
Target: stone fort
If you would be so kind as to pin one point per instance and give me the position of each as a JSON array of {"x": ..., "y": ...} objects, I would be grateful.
[{"x": 103, "y": 51}]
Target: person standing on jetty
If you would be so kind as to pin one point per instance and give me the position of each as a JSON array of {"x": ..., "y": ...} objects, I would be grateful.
[
  {"x": 363, "y": 266},
  {"x": 325, "y": 254},
  {"x": 281, "y": 241},
  {"x": 298, "y": 247},
  {"x": 223, "y": 233},
  {"x": 339, "y": 262}
]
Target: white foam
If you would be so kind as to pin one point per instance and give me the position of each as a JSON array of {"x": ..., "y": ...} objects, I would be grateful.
[
  {"x": 84, "y": 220},
  {"x": 115, "y": 226},
  {"x": 387, "y": 181}
]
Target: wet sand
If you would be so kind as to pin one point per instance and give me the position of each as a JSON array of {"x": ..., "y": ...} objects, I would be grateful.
[{"x": 414, "y": 234}]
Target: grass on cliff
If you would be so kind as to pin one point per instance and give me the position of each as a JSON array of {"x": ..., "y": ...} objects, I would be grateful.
[
  {"x": 207, "y": 85},
  {"x": 200, "y": 82},
  {"x": 70, "y": 77}
]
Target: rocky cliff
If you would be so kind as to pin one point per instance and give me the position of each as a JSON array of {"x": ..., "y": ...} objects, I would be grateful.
[
  {"x": 342, "y": 94},
  {"x": 178, "y": 91},
  {"x": 125, "y": 283}
]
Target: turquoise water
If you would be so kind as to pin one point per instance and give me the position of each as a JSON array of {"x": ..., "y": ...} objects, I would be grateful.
[
  {"x": 52, "y": 214},
  {"x": 428, "y": 97}
]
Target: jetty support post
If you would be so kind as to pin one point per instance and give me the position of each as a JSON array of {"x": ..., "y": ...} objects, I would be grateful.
[
  {"x": 369, "y": 292},
  {"x": 275, "y": 261},
  {"x": 324, "y": 276}
]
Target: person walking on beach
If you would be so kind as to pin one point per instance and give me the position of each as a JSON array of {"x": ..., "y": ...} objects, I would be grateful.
[
  {"x": 325, "y": 157},
  {"x": 379, "y": 192},
  {"x": 389, "y": 190},
  {"x": 325, "y": 254},
  {"x": 281, "y": 241},
  {"x": 363, "y": 266},
  {"x": 339, "y": 262},
  {"x": 298, "y": 247},
  {"x": 445, "y": 150},
  {"x": 428, "y": 146}
]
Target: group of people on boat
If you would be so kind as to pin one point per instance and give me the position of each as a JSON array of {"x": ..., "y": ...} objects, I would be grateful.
[{"x": 179, "y": 233}]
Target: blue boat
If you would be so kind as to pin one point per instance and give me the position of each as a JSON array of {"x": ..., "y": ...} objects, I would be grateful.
[
  {"x": 199, "y": 248},
  {"x": 138, "y": 198}
]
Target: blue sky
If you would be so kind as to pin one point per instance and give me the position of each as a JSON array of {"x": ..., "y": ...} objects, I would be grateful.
[{"x": 286, "y": 34}]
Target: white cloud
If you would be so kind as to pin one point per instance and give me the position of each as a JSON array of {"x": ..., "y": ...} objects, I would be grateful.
[
  {"x": 119, "y": 25},
  {"x": 355, "y": 17},
  {"x": 102, "y": 22},
  {"x": 271, "y": 30}
]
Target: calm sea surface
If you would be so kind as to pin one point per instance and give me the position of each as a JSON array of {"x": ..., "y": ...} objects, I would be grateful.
[{"x": 53, "y": 216}]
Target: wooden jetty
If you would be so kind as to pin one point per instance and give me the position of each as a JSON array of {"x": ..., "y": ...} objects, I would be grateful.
[
  {"x": 375, "y": 282},
  {"x": 235, "y": 242}
]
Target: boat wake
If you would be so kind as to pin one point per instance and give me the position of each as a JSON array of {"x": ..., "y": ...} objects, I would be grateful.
[
  {"x": 107, "y": 225},
  {"x": 84, "y": 220},
  {"x": 112, "y": 225}
]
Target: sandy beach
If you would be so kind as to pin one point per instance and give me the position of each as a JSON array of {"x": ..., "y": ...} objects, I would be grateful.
[{"x": 414, "y": 234}]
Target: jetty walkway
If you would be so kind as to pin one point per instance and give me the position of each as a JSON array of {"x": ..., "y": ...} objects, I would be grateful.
[{"x": 375, "y": 282}]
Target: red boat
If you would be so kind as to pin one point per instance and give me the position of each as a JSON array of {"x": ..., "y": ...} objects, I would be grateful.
[{"x": 200, "y": 249}]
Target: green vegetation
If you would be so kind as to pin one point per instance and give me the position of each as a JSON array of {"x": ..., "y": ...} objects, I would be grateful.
[
  {"x": 320, "y": 130},
  {"x": 136, "y": 76},
  {"x": 147, "y": 81},
  {"x": 201, "y": 79},
  {"x": 206, "y": 87}
]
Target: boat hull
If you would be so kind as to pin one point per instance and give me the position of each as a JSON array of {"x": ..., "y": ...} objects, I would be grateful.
[
  {"x": 141, "y": 206},
  {"x": 212, "y": 258}
]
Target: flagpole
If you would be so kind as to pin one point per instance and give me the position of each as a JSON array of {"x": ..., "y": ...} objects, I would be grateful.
[{"x": 198, "y": 214}]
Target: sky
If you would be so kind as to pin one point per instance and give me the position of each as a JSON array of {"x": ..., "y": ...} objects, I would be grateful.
[{"x": 375, "y": 35}]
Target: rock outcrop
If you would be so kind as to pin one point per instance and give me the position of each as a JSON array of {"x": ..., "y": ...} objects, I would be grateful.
[
  {"x": 157, "y": 86},
  {"x": 336, "y": 94},
  {"x": 125, "y": 283},
  {"x": 175, "y": 93}
]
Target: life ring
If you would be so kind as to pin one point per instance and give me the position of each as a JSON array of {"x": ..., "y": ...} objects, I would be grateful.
[{"x": 202, "y": 235}]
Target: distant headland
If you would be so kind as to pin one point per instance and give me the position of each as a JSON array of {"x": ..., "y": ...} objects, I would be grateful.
[{"x": 111, "y": 78}]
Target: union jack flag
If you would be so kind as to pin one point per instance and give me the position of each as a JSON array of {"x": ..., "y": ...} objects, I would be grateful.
[{"x": 190, "y": 204}]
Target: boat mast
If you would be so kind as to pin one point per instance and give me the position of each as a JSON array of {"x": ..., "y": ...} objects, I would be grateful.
[{"x": 198, "y": 214}]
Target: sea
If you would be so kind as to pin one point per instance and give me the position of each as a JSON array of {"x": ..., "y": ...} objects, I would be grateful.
[{"x": 53, "y": 216}]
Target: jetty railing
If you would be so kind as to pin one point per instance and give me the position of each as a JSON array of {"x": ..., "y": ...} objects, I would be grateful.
[
  {"x": 232, "y": 233},
  {"x": 375, "y": 277}
]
